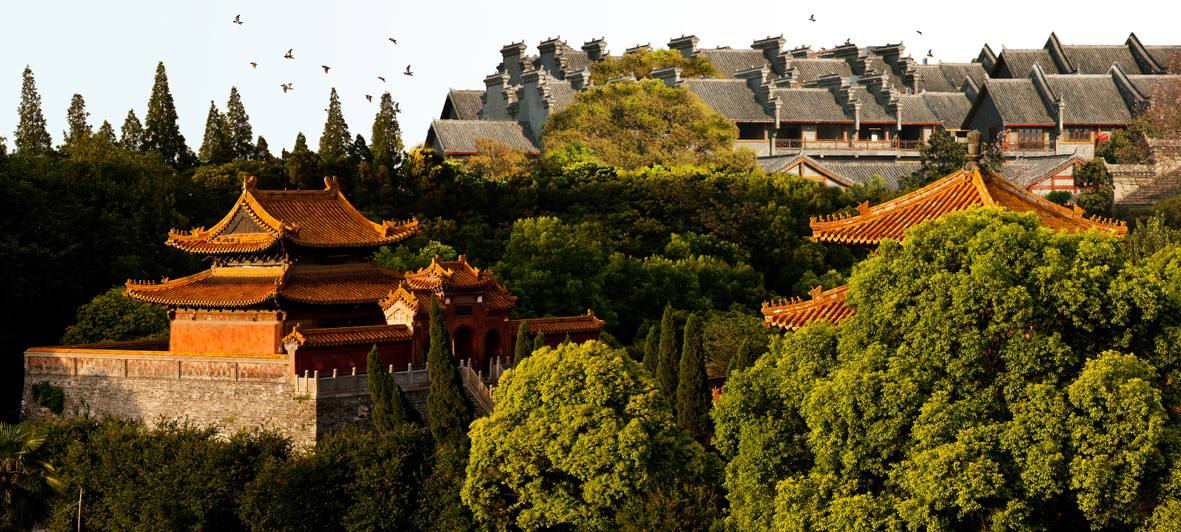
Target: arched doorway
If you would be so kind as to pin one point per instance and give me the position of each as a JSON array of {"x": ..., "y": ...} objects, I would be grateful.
[
  {"x": 492, "y": 348},
  {"x": 463, "y": 343}
]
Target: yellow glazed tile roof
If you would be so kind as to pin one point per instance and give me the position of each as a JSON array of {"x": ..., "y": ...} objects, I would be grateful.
[
  {"x": 561, "y": 326},
  {"x": 792, "y": 314},
  {"x": 339, "y": 336},
  {"x": 239, "y": 287}
]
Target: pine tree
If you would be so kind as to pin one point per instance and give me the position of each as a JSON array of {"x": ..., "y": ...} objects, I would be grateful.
[
  {"x": 386, "y": 139},
  {"x": 336, "y": 142},
  {"x": 262, "y": 152},
  {"x": 76, "y": 118},
  {"x": 238, "y": 128},
  {"x": 133, "y": 133},
  {"x": 652, "y": 350},
  {"x": 301, "y": 144},
  {"x": 303, "y": 168},
  {"x": 215, "y": 147},
  {"x": 447, "y": 405},
  {"x": 31, "y": 136},
  {"x": 361, "y": 150},
  {"x": 524, "y": 346},
  {"x": 693, "y": 398},
  {"x": 106, "y": 133},
  {"x": 539, "y": 341},
  {"x": 381, "y": 391},
  {"x": 667, "y": 365},
  {"x": 161, "y": 132}
]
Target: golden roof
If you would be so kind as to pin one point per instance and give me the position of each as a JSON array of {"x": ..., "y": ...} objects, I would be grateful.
[
  {"x": 450, "y": 275},
  {"x": 338, "y": 336},
  {"x": 792, "y": 314},
  {"x": 955, "y": 192},
  {"x": 561, "y": 326},
  {"x": 311, "y": 218}
]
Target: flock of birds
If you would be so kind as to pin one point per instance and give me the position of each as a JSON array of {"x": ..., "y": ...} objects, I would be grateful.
[
  {"x": 291, "y": 55},
  {"x": 847, "y": 41}
]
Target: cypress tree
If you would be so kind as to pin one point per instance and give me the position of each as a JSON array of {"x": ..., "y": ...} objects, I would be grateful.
[
  {"x": 76, "y": 118},
  {"x": 567, "y": 340},
  {"x": 301, "y": 144},
  {"x": 161, "y": 132},
  {"x": 335, "y": 142},
  {"x": 667, "y": 365},
  {"x": 381, "y": 391},
  {"x": 524, "y": 346},
  {"x": 262, "y": 152},
  {"x": 386, "y": 138},
  {"x": 539, "y": 341},
  {"x": 693, "y": 398},
  {"x": 237, "y": 125},
  {"x": 447, "y": 405},
  {"x": 133, "y": 133},
  {"x": 214, "y": 147},
  {"x": 652, "y": 350},
  {"x": 31, "y": 136},
  {"x": 106, "y": 132}
]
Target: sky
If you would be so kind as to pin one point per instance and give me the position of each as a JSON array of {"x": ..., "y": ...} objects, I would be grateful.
[{"x": 108, "y": 51}]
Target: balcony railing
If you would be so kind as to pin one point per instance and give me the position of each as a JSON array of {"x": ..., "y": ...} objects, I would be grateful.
[
  {"x": 1034, "y": 145},
  {"x": 892, "y": 144}
]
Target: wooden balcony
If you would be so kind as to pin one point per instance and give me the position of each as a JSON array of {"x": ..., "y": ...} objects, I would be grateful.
[{"x": 875, "y": 145}]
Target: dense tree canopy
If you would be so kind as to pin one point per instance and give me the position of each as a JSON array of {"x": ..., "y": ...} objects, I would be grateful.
[{"x": 641, "y": 63}]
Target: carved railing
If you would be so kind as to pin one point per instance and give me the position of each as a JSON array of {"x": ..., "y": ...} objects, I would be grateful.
[
  {"x": 474, "y": 382},
  {"x": 893, "y": 144}
]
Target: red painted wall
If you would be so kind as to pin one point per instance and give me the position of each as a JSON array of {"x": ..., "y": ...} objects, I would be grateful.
[{"x": 208, "y": 336}]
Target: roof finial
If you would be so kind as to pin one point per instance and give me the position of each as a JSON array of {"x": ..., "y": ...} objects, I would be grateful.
[
  {"x": 330, "y": 183},
  {"x": 248, "y": 183}
]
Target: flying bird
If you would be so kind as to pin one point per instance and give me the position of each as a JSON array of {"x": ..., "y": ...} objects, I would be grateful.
[
  {"x": 288, "y": 87},
  {"x": 812, "y": 18},
  {"x": 381, "y": 78},
  {"x": 929, "y": 54},
  {"x": 397, "y": 107},
  {"x": 393, "y": 40},
  {"x": 918, "y": 32},
  {"x": 407, "y": 72},
  {"x": 289, "y": 56},
  {"x": 368, "y": 97},
  {"x": 253, "y": 64},
  {"x": 325, "y": 67},
  {"x": 237, "y": 20}
]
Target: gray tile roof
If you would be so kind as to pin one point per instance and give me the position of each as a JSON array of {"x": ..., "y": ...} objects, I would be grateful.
[
  {"x": 1161, "y": 54},
  {"x": 949, "y": 77},
  {"x": 459, "y": 136},
  {"x": 811, "y": 105},
  {"x": 730, "y": 98},
  {"x": 1039, "y": 167},
  {"x": 779, "y": 163},
  {"x": 810, "y": 69},
  {"x": 465, "y": 103},
  {"x": 862, "y": 172},
  {"x": 1020, "y": 61},
  {"x": 1092, "y": 100},
  {"x": 916, "y": 110},
  {"x": 575, "y": 60},
  {"x": 1145, "y": 83},
  {"x": 1098, "y": 59},
  {"x": 1018, "y": 102},
  {"x": 872, "y": 110},
  {"x": 561, "y": 94},
  {"x": 730, "y": 61},
  {"x": 876, "y": 64},
  {"x": 950, "y": 107}
]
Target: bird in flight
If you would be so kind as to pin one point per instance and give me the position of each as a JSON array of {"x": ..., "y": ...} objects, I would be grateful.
[
  {"x": 289, "y": 56},
  {"x": 812, "y": 18},
  {"x": 381, "y": 78},
  {"x": 237, "y": 20},
  {"x": 253, "y": 64},
  {"x": 407, "y": 72},
  {"x": 325, "y": 67},
  {"x": 397, "y": 107},
  {"x": 393, "y": 40},
  {"x": 929, "y": 54},
  {"x": 288, "y": 87},
  {"x": 368, "y": 97},
  {"x": 918, "y": 32}
]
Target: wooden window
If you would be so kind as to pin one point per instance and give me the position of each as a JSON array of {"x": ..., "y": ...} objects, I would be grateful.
[
  {"x": 1078, "y": 134},
  {"x": 1030, "y": 138}
]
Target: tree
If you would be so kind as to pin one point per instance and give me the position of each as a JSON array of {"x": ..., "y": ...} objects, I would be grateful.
[
  {"x": 652, "y": 350},
  {"x": 1096, "y": 184},
  {"x": 391, "y": 407},
  {"x": 303, "y": 167},
  {"x": 498, "y": 161},
  {"x": 577, "y": 432},
  {"x": 106, "y": 133},
  {"x": 112, "y": 317},
  {"x": 215, "y": 147},
  {"x": 31, "y": 136},
  {"x": 262, "y": 152},
  {"x": 161, "y": 131},
  {"x": 76, "y": 118},
  {"x": 447, "y": 405},
  {"x": 693, "y": 397},
  {"x": 567, "y": 340},
  {"x": 989, "y": 367},
  {"x": 238, "y": 130},
  {"x": 941, "y": 156},
  {"x": 666, "y": 367},
  {"x": 1149, "y": 237},
  {"x": 132, "y": 138},
  {"x": 637, "y": 124},
  {"x": 523, "y": 347},
  {"x": 386, "y": 138},
  {"x": 641, "y": 64},
  {"x": 747, "y": 355},
  {"x": 335, "y": 142},
  {"x": 27, "y": 481},
  {"x": 539, "y": 341}
]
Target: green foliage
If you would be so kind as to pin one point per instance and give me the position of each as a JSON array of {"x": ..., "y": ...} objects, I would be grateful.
[
  {"x": 415, "y": 254},
  {"x": 667, "y": 365},
  {"x": 132, "y": 132},
  {"x": 1126, "y": 146},
  {"x": 1096, "y": 200},
  {"x": 941, "y": 156},
  {"x": 381, "y": 392},
  {"x": 1149, "y": 237},
  {"x": 693, "y": 397},
  {"x": 746, "y": 357},
  {"x": 652, "y": 350},
  {"x": 335, "y": 142},
  {"x": 577, "y": 431},
  {"x": 161, "y": 132},
  {"x": 112, "y": 317},
  {"x": 386, "y": 137},
  {"x": 1061, "y": 197},
  {"x": 215, "y": 147},
  {"x": 238, "y": 132},
  {"x": 31, "y": 137},
  {"x": 987, "y": 380},
  {"x": 637, "y": 124},
  {"x": 523, "y": 346},
  {"x": 106, "y": 133},
  {"x": 1092, "y": 174},
  {"x": 49, "y": 396},
  {"x": 76, "y": 118},
  {"x": 539, "y": 341},
  {"x": 640, "y": 64},
  {"x": 448, "y": 406},
  {"x": 303, "y": 167},
  {"x": 27, "y": 480}
]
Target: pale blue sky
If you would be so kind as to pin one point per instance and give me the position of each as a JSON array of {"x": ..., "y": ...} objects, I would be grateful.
[{"x": 107, "y": 51}]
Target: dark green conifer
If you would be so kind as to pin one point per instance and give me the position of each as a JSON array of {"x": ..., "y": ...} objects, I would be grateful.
[
  {"x": 652, "y": 350},
  {"x": 524, "y": 346},
  {"x": 361, "y": 152},
  {"x": 539, "y": 341},
  {"x": 31, "y": 135},
  {"x": 76, "y": 119},
  {"x": 262, "y": 152},
  {"x": 693, "y": 398},
  {"x": 567, "y": 340},
  {"x": 303, "y": 168},
  {"x": 106, "y": 133},
  {"x": 301, "y": 144},
  {"x": 335, "y": 142},
  {"x": 747, "y": 356},
  {"x": 161, "y": 131},
  {"x": 666, "y": 367},
  {"x": 447, "y": 405},
  {"x": 132, "y": 133},
  {"x": 214, "y": 147},
  {"x": 237, "y": 126},
  {"x": 391, "y": 407},
  {"x": 386, "y": 138}
]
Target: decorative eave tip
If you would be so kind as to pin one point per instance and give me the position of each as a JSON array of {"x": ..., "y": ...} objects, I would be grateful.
[
  {"x": 330, "y": 183},
  {"x": 294, "y": 337},
  {"x": 249, "y": 183}
]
